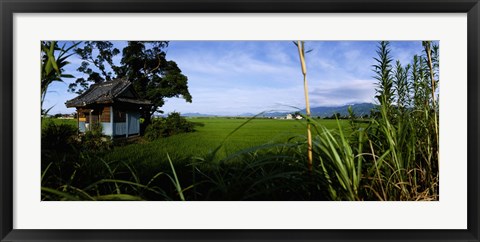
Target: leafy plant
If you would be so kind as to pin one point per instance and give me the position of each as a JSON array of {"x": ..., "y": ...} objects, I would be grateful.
[
  {"x": 52, "y": 65},
  {"x": 171, "y": 125},
  {"x": 94, "y": 140}
]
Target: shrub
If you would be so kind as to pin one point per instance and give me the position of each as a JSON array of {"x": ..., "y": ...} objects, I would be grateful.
[
  {"x": 164, "y": 127},
  {"x": 69, "y": 159},
  {"x": 156, "y": 129},
  {"x": 95, "y": 141},
  {"x": 57, "y": 136},
  {"x": 59, "y": 149}
]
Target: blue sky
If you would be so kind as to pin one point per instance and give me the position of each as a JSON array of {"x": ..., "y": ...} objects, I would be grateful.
[{"x": 235, "y": 77}]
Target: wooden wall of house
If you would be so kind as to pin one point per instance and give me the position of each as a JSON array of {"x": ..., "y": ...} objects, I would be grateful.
[
  {"x": 103, "y": 114},
  {"x": 81, "y": 115}
]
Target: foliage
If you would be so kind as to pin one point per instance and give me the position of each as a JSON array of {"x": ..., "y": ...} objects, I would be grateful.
[
  {"x": 57, "y": 136},
  {"x": 58, "y": 148},
  {"x": 272, "y": 172},
  {"x": 339, "y": 166},
  {"x": 104, "y": 56},
  {"x": 52, "y": 65},
  {"x": 383, "y": 73},
  {"x": 336, "y": 116},
  {"x": 94, "y": 140},
  {"x": 93, "y": 179},
  {"x": 400, "y": 145},
  {"x": 62, "y": 138},
  {"x": 171, "y": 125},
  {"x": 73, "y": 170},
  {"x": 401, "y": 85},
  {"x": 144, "y": 63}
]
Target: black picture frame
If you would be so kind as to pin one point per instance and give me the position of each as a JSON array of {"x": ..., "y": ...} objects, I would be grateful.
[{"x": 9, "y": 7}]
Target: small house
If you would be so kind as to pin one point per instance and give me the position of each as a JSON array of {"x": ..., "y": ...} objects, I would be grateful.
[{"x": 113, "y": 104}]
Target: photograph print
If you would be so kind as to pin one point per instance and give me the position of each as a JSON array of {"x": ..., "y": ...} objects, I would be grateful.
[{"x": 239, "y": 120}]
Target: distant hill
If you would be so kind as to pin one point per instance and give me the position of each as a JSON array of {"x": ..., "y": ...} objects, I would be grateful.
[
  {"x": 359, "y": 109},
  {"x": 196, "y": 115}
]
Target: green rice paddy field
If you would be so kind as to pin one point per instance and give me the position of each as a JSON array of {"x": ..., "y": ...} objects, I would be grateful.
[
  {"x": 208, "y": 137},
  {"x": 212, "y": 134}
]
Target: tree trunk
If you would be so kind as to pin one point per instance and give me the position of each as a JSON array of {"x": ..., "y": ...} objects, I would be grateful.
[{"x": 147, "y": 120}]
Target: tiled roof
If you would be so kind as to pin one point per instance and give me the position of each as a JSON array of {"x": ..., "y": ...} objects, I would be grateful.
[{"x": 105, "y": 92}]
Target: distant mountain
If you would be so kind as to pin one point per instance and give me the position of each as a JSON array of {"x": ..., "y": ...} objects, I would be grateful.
[
  {"x": 359, "y": 109},
  {"x": 196, "y": 115},
  {"x": 246, "y": 115}
]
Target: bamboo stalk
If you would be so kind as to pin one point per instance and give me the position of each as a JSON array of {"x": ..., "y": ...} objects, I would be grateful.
[{"x": 301, "y": 53}]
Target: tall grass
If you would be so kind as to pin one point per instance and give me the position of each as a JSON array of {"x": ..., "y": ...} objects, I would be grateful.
[
  {"x": 396, "y": 156},
  {"x": 338, "y": 165}
]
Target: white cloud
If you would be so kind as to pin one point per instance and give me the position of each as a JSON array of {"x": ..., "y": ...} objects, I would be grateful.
[
  {"x": 238, "y": 100},
  {"x": 232, "y": 62},
  {"x": 340, "y": 93}
]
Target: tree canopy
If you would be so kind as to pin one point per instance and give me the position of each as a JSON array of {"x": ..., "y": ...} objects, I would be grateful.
[{"x": 144, "y": 63}]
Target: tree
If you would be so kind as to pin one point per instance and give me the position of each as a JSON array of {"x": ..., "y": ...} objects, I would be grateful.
[
  {"x": 154, "y": 78},
  {"x": 99, "y": 54},
  {"x": 144, "y": 63}
]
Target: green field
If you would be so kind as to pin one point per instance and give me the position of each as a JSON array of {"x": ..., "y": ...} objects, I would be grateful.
[
  {"x": 72, "y": 122},
  {"x": 214, "y": 133},
  {"x": 240, "y": 142},
  {"x": 208, "y": 137}
]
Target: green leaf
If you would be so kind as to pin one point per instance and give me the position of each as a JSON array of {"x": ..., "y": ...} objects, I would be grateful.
[
  {"x": 118, "y": 197},
  {"x": 54, "y": 64},
  {"x": 67, "y": 76},
  {"x": 48, "y": 67},
  {"x": 176, "y": 183},
  {"x": 63, "y": 195}
]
